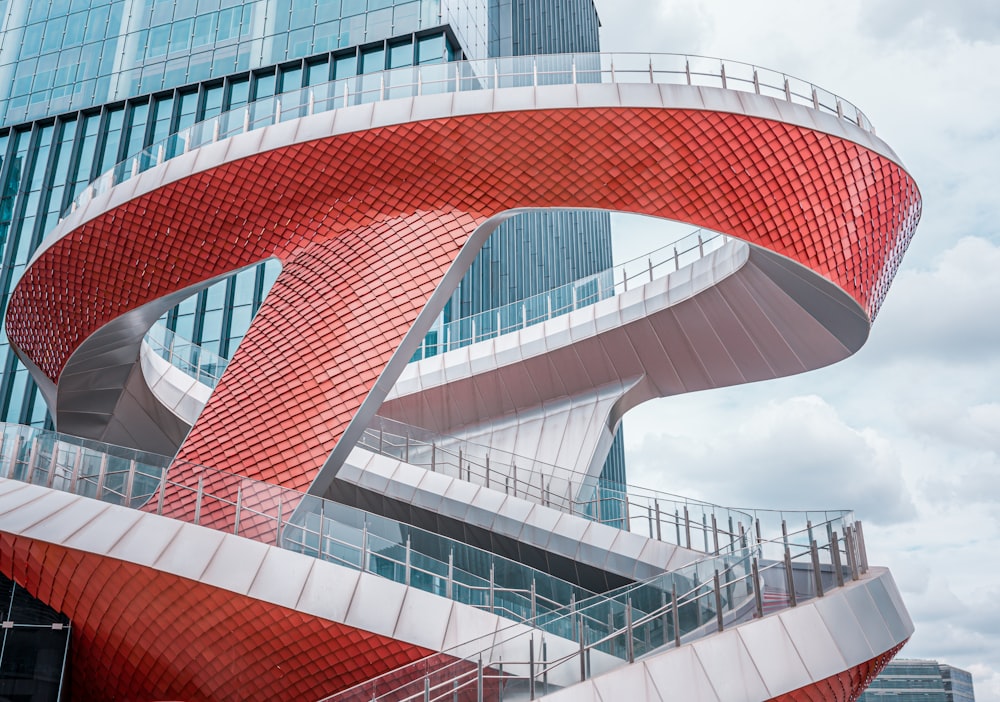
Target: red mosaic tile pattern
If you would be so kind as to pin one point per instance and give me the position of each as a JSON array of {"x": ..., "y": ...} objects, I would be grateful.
[
  {"x": 843, "y": 687},
  {"x": 324, "y": 207},
  {"x": 141, "y": 634}
]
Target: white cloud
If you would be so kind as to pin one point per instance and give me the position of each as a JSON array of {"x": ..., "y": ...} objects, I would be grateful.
[
  {"x": 912, "y": 422},
  {"x": 793, "y": 454}
]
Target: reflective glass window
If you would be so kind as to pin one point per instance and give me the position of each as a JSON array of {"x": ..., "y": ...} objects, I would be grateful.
[
  {"x": 345, "y": 66},
  {"x": 97, "y": 23},
  {"x": 431, "y": 49},
  {"x": 373, "y": 60},
  {"x": 204, "y": 30},
  {"x": 401, "y": 55}
]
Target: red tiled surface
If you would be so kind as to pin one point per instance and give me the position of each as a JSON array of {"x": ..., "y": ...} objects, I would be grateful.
[
  {"x": 367, "y": 223},
  {"x": 843, "y": 687},
  {"x": 141, "y": 634}
]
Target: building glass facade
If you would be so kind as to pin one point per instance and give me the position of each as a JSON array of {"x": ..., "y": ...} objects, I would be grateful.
[
  {"x": 920, "y": 681},
  {"x": 34, "y": 645},
  {"x": 85, "y": 84}
]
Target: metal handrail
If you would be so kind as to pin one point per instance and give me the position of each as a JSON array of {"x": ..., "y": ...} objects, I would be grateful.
[
  {"x": 207, "y": 367},
  {"x": 254, "y": 509},
  {"x": 636, "y": 632},
  {"x": 483, "y": 74},
  {"x": 577, "y": 294}
]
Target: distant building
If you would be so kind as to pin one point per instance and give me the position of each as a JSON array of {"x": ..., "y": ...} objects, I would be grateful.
[{"x": 920, "y": 681}]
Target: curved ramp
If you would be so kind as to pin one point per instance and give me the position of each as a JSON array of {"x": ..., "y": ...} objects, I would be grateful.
[{"x": 376, "y": 211}]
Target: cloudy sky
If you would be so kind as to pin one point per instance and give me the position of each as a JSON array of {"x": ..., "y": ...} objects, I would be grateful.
[{"x": 907, "y": 432}]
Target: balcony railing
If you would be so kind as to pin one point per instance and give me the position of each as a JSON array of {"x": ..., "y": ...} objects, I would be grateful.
[
  {"x": 758, "y": 576},
  {"x": 485, "y": 74}
]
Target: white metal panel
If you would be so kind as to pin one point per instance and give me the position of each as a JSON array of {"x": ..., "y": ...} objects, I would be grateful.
[
  {"x": 774, "y": 655},
  {"x": 189, "y": 552},
  {"x": 328, "y": 591},
  {"x": 282, "y": 577},
  {"x": 816, "y": 646},
  {"x": 235, "y": 563},
  {"x": 730, "y": 668},
  {"x": 146, "y": 540}
]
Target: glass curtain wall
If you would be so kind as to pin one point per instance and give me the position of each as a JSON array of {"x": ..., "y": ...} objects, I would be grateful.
[{"x": 85, "y": 83}]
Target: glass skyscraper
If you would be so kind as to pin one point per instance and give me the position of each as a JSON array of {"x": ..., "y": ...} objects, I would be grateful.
[
  {"x": 920, "y": 681},
  {"x": 87, "y": 84}
]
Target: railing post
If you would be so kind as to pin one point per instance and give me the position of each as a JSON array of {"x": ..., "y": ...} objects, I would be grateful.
[
  {"x": 427, "y": 689},
  {"x": 649, "y": 261},
  {"x": 840, "y": 109},
  {"x": 433, "y": 458},
  {"x": 817, "y": 574},
  {"x": 545, "y": 667},
  {"x": 33, "y": 457},
  {"x": 852, "y": 560},
  {"x": 629, "y": 644},
  {"x": 531, "y": 667},
  {"x": 756, "y": 82},
  {"x": 835, "y": 557},
  {"x": 321, "y": 531},
  {"x": 788, "y": 91},
  {"x": 687, "y": 70},
  {"x": 479, "y": 680},
  {"x": 656, "y": 504},
  {"x": 159, "y": 154},
  {"x": 449, "y": 586},
  {"x": 862, "y": 551},
  {"x": 163, "y": 490},
  {"x": 239, "y": 506},
  {"x": 198, "y": 495},
  {"x": 677, "y": 260},
  {"x": 815, "y": 98},
  {"x": 649, "y": 516},
  {"x": 75, "y": 475},
  {"x": 624, "y": 280},
  {"x": 789, "y": 578},
  {"x": 718, "y": 599},
  {"x": 583, "y": 648},
  {"x": 675, "y": 606},
  {"x": 246, "y": 124},
  {"x": 277, "y": 529},
  {"x": 364, "y": 545},
  {"x": 406, "y": 564},
  {"x": 534, "y": 598},
  {"x": 311, "y": 104},
  {"x": 687, "y": 526},
  {"x": 52, "y": 471},
  {"x": 487, "y": 470},
  {"x": 757, "y": 598},
  {"x": 722, "y": 72},
  {"x": 701, "y": 247},
  {"x": 715, "y": 534},
  {"x": 492, "y": 588}
]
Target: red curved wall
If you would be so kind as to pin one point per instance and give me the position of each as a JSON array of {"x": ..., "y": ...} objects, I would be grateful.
[{"x": 367, "y": 223}]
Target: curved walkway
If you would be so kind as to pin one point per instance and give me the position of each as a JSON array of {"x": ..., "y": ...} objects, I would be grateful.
[{"x": 376, "y": 211}]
